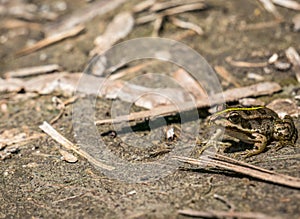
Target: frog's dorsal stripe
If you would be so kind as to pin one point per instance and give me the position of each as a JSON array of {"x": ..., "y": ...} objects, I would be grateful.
[{"x": 239, "y": 109}]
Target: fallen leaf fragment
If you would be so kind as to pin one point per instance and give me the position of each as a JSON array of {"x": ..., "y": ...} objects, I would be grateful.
[
  {"x": 119, "y": 28},
  {"x": 68, "y": 157}
]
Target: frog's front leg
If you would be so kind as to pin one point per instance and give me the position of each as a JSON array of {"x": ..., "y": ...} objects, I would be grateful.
[{"x": 259, "y": 145}]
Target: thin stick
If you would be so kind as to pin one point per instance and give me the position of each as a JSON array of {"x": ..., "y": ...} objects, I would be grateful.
[
  {"x": 51, "y": 40},
  {"x": 187, "y": 25},
  {"x": 130, "y": 70},
  {"x": 31, "y": 71},
  {"x": 226, "y": 75},
  {"x": 229, "y": 95},
  {"x": 245, "y": 64},
  {"x": 47, "y": 128},
  {"x": 223, "y": 162},
  {"x": 224, "y": 214},
  {"x": 171, "y": 11}
]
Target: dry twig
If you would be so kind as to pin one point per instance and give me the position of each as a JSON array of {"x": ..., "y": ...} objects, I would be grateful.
[
  {"x": 226, "y": 75},
  {"x": 187, "y": 25},
  {"x": 31, "y": 71},
  {"x": 171, "y": 11},
  {"x": 51, "y": 40},
  {"x": 219, "y": 161},
  {"x": 224, "y": 214},
  {"x": 263, "y": 88},
  {"x": 47, "y": 128},
  {"x": 245, "y": 64}
]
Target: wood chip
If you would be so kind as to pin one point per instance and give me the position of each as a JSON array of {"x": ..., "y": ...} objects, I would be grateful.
[
  {"x": 48, "y": 129},
  {"x": 51, "y": 40},
  {"x": 294, "y": 58},
  {"x": 119, "y": 28},
  {"x": 31, "y": 71},
  {"x": 227, "y": 76},
  {"x": 245, "y": 64},
  {"x": 187, "y": 25},
  {"x": 186, "y": 81},
  {"x": 290, "y": 4},
  {"x": 270, "y": 7},
  {"x": 230, "y": 95}
]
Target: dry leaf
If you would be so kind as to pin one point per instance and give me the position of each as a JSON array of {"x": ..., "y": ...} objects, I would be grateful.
[{"x": 119, "y": 28}]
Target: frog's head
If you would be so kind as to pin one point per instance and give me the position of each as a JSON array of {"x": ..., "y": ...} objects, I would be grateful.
[{"x": 227, "y": 118}]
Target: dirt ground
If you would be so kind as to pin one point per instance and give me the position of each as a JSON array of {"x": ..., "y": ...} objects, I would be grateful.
[{"x": 36, "y": 183}]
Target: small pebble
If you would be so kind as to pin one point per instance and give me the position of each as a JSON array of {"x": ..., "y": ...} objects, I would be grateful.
[
  {"x": 267, "y": 70},
  {"x": 273, "y": 58},
  {"x": 282, "y": 66},
  {"x": 255, "y": 76}
]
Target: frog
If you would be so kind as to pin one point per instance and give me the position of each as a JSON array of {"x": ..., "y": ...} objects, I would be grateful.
[{"x": 258, "y": 126}]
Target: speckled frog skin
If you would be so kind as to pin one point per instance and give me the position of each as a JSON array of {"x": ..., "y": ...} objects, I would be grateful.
[{"x": 256, "y": 125}]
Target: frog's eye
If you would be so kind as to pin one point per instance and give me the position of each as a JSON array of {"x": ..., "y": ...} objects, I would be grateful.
[{"x": 234, "y": 117}]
